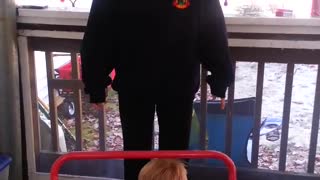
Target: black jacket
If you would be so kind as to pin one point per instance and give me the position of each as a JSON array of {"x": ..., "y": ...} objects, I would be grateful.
[{"x": 155, "y": 47}]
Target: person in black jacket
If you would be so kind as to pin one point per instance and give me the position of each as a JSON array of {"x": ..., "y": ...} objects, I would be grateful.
[{"x": 156, "y": 48}]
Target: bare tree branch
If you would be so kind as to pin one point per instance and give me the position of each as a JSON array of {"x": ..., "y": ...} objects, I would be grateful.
[{"x": 73, "y": 2}]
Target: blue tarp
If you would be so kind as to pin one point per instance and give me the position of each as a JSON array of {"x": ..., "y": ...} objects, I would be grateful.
[{"x": 4, "y": 162}]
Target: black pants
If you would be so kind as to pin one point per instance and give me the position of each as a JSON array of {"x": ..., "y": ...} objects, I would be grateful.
[{"x": 137, "y": 116}]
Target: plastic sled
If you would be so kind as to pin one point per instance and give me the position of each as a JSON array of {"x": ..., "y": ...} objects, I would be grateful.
[{"x": 232, "y": 173}]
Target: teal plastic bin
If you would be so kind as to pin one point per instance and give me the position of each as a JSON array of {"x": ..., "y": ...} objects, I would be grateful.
[
  {"x": 5, "y": 162},
  {"x": 242, "y": 120}
]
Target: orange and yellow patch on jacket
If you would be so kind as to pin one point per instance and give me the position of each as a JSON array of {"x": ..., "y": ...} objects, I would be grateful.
[{"x": 181, "y": 4}]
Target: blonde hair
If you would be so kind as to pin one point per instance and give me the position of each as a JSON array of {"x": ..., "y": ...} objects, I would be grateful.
[{"x": 163, "y": 169}]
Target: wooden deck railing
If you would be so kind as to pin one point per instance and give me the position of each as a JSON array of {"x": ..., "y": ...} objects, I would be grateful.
[
  {"x": 289, "y": 55},
  {"x": 259, "y": 55}
]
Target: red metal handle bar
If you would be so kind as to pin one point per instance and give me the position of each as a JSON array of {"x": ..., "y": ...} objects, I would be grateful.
[{"x": 143, "y": 155}]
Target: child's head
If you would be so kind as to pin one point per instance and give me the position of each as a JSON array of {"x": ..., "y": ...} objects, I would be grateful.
[{"x": 163, "y": 169}]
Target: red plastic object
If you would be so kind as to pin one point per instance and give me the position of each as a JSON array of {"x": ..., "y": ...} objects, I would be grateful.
[
  {"x": 143, "y": 155},
  {"x": 284, "y": 13},
  {"x": 65, "y": 71}
]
